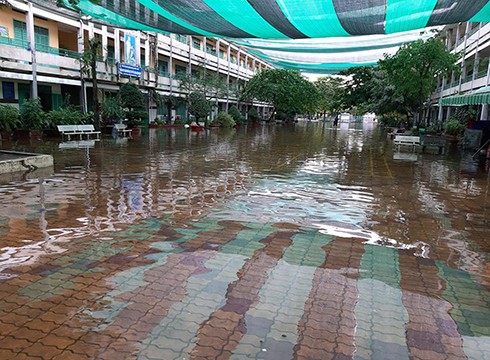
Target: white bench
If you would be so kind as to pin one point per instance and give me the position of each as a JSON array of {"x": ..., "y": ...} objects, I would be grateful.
[
  {"x": 68, "y": 130},
  {"x": 88, "y": 130},
  {"x": 122, "y": 130},
  {"x": 406, "y": 140},
  {"x": 80, "y": 130}
]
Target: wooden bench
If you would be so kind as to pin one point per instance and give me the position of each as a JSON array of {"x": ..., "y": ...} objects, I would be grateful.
[
  {"x": 401, "y": 140},
  {"x": 122, "y": 130},
  {"x": 77, "y": 130},
  {"x": 433, "y": 141}
]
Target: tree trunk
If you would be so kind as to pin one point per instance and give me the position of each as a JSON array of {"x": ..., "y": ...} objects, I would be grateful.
[{"x": 95, "y": 95}]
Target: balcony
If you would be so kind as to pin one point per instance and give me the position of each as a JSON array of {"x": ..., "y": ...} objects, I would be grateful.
[{"x": 39, "y": 47}]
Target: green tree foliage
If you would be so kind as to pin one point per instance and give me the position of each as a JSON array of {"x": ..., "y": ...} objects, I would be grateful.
[
  {"x": 236, "y": 115},
  {"x": 199, "y": 106},
  {"x": 287, "y": 90},
  {"x": 211, "y": 84},
  {"x": 68, "y": 114},
  {"x": 414, "y": 69},
  {"x": 9, "y": 118},
  {"x": 133, "y": 103},
  {"x": 333, "y": 94},
  {"x": 253, "y": 115},
  {"x": 225, "y": 120},
  {"x": 401, "y": 83},
  {"x": 32, "y": 115},
  {"x": 112, "y": 110},
  {"x": 358, "y": 87}
]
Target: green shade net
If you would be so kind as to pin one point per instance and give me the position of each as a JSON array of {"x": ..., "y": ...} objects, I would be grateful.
[
  {"x": 275, "y": 19},
  {"x": 268, "y": 27}
]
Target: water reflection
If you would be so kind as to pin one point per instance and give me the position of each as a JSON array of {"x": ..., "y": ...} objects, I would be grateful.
[{"x": 254, "y": 228}]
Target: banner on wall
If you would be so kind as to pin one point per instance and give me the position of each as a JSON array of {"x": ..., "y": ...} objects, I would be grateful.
[
  {"x": 4, "y": 31},
  {"x": 130, "y": 66}
]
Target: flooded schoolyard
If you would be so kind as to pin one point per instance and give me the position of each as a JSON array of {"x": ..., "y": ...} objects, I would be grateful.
[{"x": 274, "y": 242}]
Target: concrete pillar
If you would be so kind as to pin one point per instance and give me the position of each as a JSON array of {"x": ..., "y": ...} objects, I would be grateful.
[
  {"x": 449, "y": 112},
  {"x": 32, "y": 45},
  {"x": 440, "y": 113},
  {"x": 147, "y": 52},
  {"x": 117, "y": 46},
  {"x": 189, "y": 59},
  {"x": 104, "y": 42},
  {"x": 137, "y": 40},
  {"x": 484, "y": 112},
  {"x": 228, "y": 56},
  {"x": 91, "y": 32},
  {"x": 171, "y": 65}
]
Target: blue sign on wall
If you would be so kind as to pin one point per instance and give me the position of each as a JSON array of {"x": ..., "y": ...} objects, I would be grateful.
[{"x": 129, "y": 70}]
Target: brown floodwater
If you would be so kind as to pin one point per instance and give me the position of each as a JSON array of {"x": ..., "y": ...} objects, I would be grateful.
[{"x": 274, "y": 242}]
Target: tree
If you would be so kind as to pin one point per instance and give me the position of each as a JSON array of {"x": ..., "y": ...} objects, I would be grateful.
[
  {"x": 88, "y": 66},
  {"x": 211, "y": 85},
  {"x": 414, "y": 69},
  {"x": 358, "y": 93},
  {"x": 133, "y": 103},
  {"x": 332, "y": 94},
  {"x": 287, "y": 90},
  {"x": 199, "y": 106}
]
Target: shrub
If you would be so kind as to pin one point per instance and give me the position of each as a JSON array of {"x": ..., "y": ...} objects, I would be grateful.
[
  {"x": 234, "y": 112},
  {"x": 225, "y": 120},
  {"x": 32, "y": 115},
  {"x": 253, "y": 115},
  {"x": 9, "y": 118},
  {"x": 65, "y": 116},
  {"x": 112, "y": 110},
  {"x": 453, "y": 127}
]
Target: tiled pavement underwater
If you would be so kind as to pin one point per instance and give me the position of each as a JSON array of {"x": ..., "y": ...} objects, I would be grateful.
[{"x": 216, "y": 289}]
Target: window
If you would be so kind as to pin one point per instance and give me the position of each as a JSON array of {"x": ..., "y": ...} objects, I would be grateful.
[
  {"x": 195, "y": 74},
  {"x": 196, "y": 43},
  {"x": 162, "y": 68},
  {"x": 111, "y": 59},
  {"x": 180, "y": 70},
  {"x": 210, "y": 49},
  {"x": 8, "y": 90},
  {"x": 181, "y": 38},
  {"x": 132, "y": 9},
  {"x": 41, "y": 35}
]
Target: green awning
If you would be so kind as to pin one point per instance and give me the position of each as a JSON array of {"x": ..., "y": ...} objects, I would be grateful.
[{"x": 477, "y": 97}]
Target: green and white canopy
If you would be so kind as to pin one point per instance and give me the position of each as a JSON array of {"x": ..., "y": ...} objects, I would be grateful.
[
  {"x": 477, "y": 97},
  {"x": 279, "y": 21},
  {"x": 282, "y": 19}
]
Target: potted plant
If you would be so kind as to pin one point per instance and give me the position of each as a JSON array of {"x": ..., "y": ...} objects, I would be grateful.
[
  {"x": 453, "y": 129},
  {"x": 225, "y": 120},
  {"x": 33, "y": 119},
  {"x": 112, "y": 111},
  {"x": 9, "y": 121}
]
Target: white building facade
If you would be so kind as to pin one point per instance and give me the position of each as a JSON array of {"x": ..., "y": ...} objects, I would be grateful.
[
  {"x": 61, "y": 36},
  {"x": 472, "y": 41}
]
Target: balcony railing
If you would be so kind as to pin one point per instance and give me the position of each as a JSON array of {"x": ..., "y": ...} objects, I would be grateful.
[
  {"x": 472, "y": 31},
  {"x": 40, "y": 47},
  {"x": 481, "y": 74}
]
